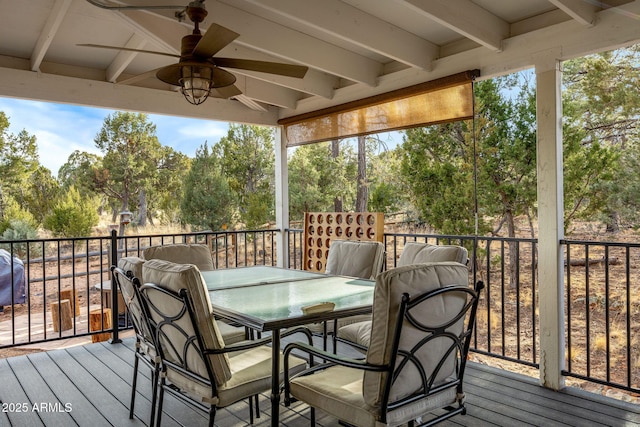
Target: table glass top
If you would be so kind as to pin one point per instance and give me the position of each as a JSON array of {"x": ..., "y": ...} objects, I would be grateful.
[
  {"x": 255, "y": 275},
  {"x": 284, "y": 300}
]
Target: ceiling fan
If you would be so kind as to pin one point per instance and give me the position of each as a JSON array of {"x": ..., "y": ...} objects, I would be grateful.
[{"x": 198, "y": 71}]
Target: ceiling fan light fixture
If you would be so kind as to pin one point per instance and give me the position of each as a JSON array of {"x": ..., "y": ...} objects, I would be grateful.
[{"x": 196, "y": 83}]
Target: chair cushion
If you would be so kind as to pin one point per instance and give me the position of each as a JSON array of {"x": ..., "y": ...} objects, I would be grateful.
[
  {"x": 418, "y": 253},
  {"x": 359, "y": 332},
  {"x": 338, "y": 390},
  {"x": 187, "y": 276},
  {"x": 251, "y": 374},
  {"x": 231, "y": 334},
  {"x": 390, "y": 286},
  {"x": 355, "y": 258},
  {"x": 196, "y": 254},
  {"x": 132, "y": 264}
]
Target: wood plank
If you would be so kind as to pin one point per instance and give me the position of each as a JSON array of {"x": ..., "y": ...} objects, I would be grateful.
[
  {"x": 82, "y": 411},
  {"x": 15, "y": 398},
  {"x": 590, "y": 406},
  {"x": 175, "y": 412},
  {"x": 51, "y": 409},
  {"x": 124, "y": 370},
  {"x": 83, "y": 371}
]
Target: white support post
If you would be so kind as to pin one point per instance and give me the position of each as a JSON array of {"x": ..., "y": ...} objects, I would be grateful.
[
  {"x": 550, "y": 221},
  {"x": 282, "y": 198}
]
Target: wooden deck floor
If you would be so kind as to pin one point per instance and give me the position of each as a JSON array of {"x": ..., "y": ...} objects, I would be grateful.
[{"x": 90, "y": 386}]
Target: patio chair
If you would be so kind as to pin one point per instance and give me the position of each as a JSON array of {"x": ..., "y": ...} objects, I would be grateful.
[
  {"x": 196, "y": 254},
  {"x": 197, "y": 365},
  {"x": 357, "y": 334},
  {"x": 423, "y": 316},
  {"x": 361, "y": 259},
  {"x": 200, "y": 256},
  {"x": 126, "y": 278}
]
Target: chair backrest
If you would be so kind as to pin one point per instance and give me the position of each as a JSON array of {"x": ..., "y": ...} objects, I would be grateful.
[
  {"x": 129, "y": 285},
  {"x": 180, "y": 309},
  {"x": 419, "y": 316},
  {"x": 361, "y": 259},
  {"x": 132, "y": 266},
  {"x": 419, "y": 253},
  {"x": 196, "y": 254}
]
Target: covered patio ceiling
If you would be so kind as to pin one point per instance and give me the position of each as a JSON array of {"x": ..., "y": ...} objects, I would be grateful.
[{"x": 354, "y": 48}]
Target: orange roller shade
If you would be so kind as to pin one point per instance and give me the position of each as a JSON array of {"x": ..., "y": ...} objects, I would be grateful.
[{"x": 439, "y": 101}]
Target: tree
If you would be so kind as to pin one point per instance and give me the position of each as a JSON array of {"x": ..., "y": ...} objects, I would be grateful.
[
  {"x": 602, "y": 108},
  {"x": 130, "y": 156},
  {"x": 79, "y": 171},
  {"x": 168, "y": 186},
  {"x": 72, "y": 216},
  {"x": 18, "y": 161},
  {"x": 318, "y": 177},
  {"x": 436, "y": 164},
  {"x": 208, "y": 201},
  {"x": 387, "y": 188},
  {"x": 247, "y": 159},
  {"x": 42, "y": 191}
]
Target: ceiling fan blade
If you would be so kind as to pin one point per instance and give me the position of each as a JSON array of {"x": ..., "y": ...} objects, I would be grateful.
[
  {"x": 228, "y": 91},
  {"x": 213, "y": 40},
  {"x": 279, "y": 68},
  {"x": 129, "y": 49}
]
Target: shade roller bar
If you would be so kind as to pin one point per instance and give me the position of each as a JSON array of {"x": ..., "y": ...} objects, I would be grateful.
[{"x": 437, "y": 101}]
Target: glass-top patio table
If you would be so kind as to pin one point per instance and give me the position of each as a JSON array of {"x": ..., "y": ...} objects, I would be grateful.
[{"x": 271, "y": 299}]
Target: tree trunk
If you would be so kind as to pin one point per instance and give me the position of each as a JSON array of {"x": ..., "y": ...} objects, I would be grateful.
[
  {"x": 362, "y": 194},
  {"x": 142, "y": 213},
  {"x": 513, "y": 250},
  {"x": 335, "y": 152},
  {"x": 613, "y": 222}
]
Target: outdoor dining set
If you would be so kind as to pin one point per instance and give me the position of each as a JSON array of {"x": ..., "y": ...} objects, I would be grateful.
[{"x": 213, "y": 337}]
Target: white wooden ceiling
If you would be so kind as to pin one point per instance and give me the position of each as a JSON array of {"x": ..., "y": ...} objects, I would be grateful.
[{"x": 353, "y": 48}]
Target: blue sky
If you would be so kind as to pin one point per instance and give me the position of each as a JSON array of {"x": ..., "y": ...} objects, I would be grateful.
[{"x": 61, "y": 129}]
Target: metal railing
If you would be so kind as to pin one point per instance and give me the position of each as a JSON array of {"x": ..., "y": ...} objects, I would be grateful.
[
  {"x": 68, "y": 281},
  {"x": 602, "y": 309}
]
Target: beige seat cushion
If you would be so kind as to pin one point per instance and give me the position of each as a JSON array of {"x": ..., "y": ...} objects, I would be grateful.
[
  {"x": 355, "y": 258},
  {"x": 358, "y": 332},
  {"x": 418, "y": 253},
  {"x": 251, "y": 374},
  {"x": 338, "y": 390},
  {"x": 196, "y": 254}
]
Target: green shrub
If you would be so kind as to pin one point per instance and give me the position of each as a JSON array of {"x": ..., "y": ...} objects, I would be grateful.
[
  {"x": 12, "y": 211},
  {"x": 72, "y": 216},
  {"x": 20, "y": 230}
]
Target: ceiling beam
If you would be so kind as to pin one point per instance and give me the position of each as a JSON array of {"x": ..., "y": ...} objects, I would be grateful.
[
  {"x": 467, "y": 19},
  {"x": 55, "y": 88},
  {"x": 267, "y": 93},
  {"x": 124, "y": 58},
  {"x": 49, "y": 31},
  {"x": 267, "y": 36},
  {"x": 612, "y": 31},
  {"x": 354, "y": 26},
  {"x": 580, "y": 10}
]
